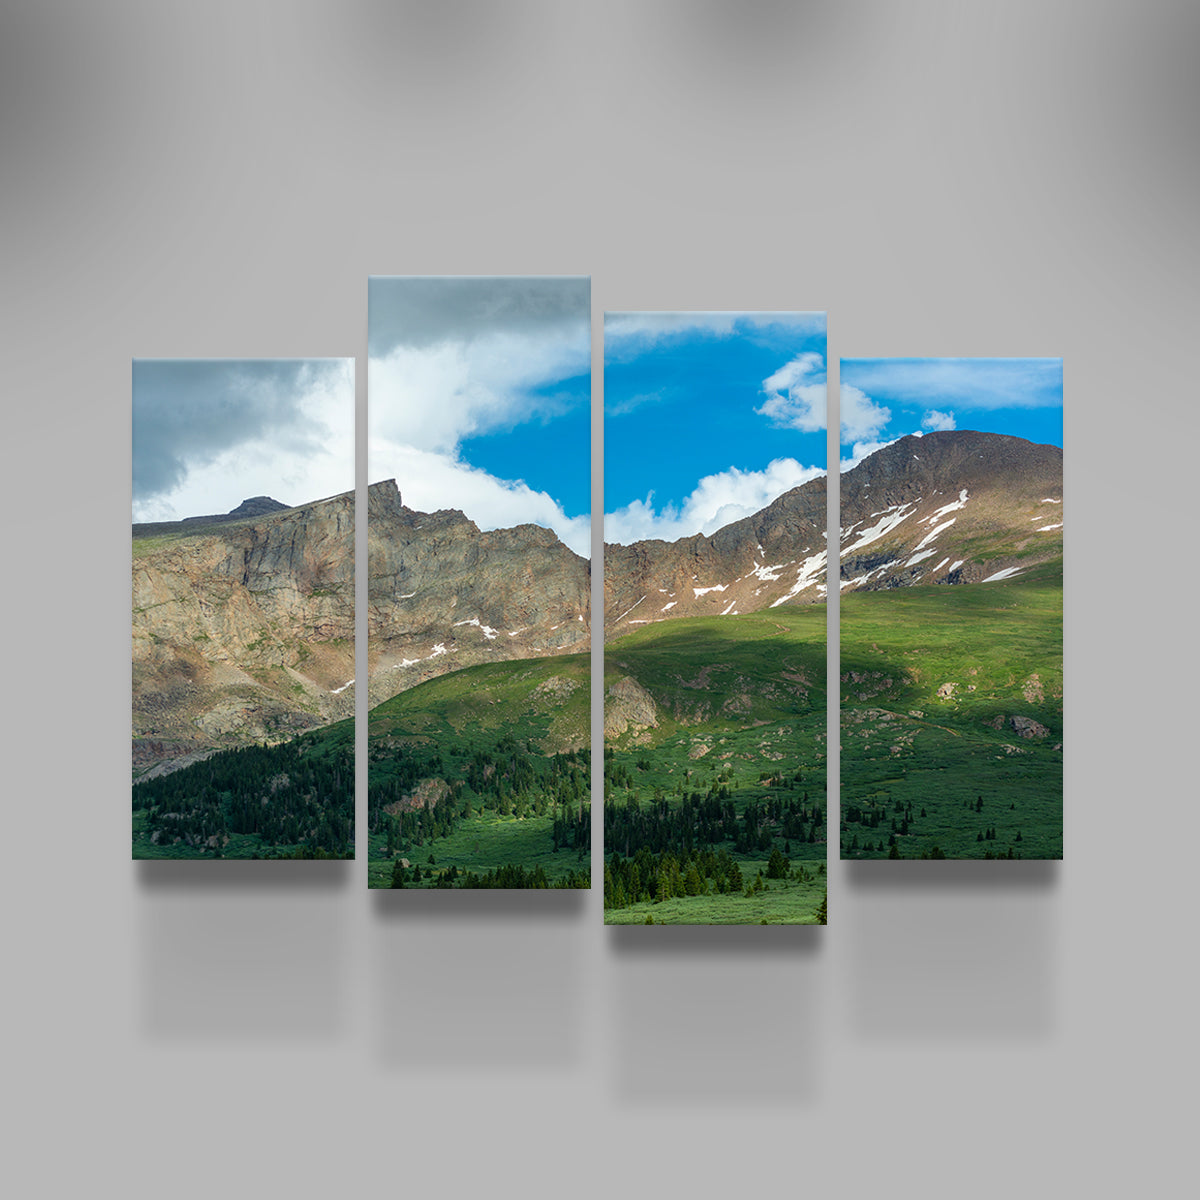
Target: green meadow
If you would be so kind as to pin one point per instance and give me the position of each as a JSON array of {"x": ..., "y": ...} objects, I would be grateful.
[
  {"x": 938, "y": 685},
  {"x": 714, "y": 792},
  {"x": 480, "y": 778}
]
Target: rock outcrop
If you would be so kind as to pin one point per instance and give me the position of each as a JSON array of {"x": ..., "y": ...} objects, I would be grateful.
[{"x": 444, "y": 595}]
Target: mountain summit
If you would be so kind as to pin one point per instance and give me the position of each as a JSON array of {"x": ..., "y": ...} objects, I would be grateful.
[{"x": 951, "y": 507}]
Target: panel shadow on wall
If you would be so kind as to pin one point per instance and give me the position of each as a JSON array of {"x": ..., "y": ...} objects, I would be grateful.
[
  {"x": 951, "y": 619},
  {"x": 243, "y": 608},
  {"x": 479, "y": 623},
  {"x": 714, "y": 618}
]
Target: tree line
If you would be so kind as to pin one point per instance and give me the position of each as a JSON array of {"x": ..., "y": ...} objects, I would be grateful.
[{"x": 297, "y": 795}]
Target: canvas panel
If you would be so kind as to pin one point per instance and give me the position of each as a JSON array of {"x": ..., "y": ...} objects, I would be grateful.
[
  {"x": 243, "y": 608},
  {"x": 951, "y": 622},
  {"x": 714, "y": 607},
  {"x": 479, "y": 624}
]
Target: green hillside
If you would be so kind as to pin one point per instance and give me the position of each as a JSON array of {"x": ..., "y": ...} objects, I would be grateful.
[
  {"x": 480, "y": 778},
  {"x": 291, "y": 800},
  {"x": 938, "y": 686},
  {"x": 715, "y": 763}
]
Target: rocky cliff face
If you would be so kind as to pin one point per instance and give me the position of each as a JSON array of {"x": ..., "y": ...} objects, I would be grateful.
[
  {"x": 243, "y": 625},
  {"x": 242, "y": 631},
  {"x": 443, "y": 595},
  {"x": 953, "y": 507}
]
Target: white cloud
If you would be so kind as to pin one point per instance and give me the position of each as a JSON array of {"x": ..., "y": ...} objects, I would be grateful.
[
  {"x": 861, "y": 418},
  {"x": 716, "y": 501},
  {"x": 311, "y": 459},
  {"x": 432, "y": 397},
  {"x": 936, "y": 421},
  {"x": 796, "y": 399},
  {"x": 429, "y": 480}
]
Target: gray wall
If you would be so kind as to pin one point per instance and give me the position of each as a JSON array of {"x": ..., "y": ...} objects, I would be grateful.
[{"x": 943, "y": 179}]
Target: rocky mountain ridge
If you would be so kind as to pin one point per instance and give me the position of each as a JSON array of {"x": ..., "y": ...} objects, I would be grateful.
[
  {"x": 243, "y": 627},
  {"x": 949, "y": 507},
  {"x": 443, "y": 594}
]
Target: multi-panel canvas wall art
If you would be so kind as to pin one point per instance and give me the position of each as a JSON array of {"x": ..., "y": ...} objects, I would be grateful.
[
  {"x": 243, "y": 608},
  {"x": 714, "y": 618},
  {"x": 951, "y": 608},
  {"x": 479, "y": 540}
]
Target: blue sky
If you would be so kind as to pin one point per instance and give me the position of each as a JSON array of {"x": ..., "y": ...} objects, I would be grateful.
[
  {"x": 479, "y": 397},
  {"x": 708, "y": 417},
  {"x": 883, "y": 399}
]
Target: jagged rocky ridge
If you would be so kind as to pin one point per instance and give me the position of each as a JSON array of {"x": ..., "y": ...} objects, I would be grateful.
[
  {"x": 243, "y": 630},
  {"x": 243, "y": 625},
  {"x": 444, "y": 595},
  {"x": 950, "y": 507}
]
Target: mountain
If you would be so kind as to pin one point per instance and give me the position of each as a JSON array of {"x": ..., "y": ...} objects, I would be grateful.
[
  {"x": 443, "y": 594},
  {"x": 951, "y": 507},
  {"x": 243, "y": 630},
  {"x": 775, "y": 556},
  {"x": 255, "y": 506},
  {"x": 243, "y": 624}
]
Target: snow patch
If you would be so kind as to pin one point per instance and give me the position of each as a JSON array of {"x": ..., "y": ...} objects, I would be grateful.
[
  {"x": 933, "y": 533},
  {"x": 487, "y": 630},
  {"x": 811, "y": 569},
  {"x": 627, "y": 611},
  {"x": 1007, "y": 573},
  {"x": 407, "y": 595},
  {"x": 953, "y": 506},
  {"x": 916, "y": 558},
  {"x": 716, "y": 587},
  {"x": 1047, "y": 528},
  {"x": 767, "y": 574},
  {"x": 1048, "y": 500},
  {"x": 669, "y": 604},
  {"x": 889, "y": 518},
  {"x": 336, "y": 691}
]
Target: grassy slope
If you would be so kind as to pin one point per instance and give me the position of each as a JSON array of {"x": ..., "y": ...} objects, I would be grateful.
[
  {"x": 752, "y": 688},
  {"x": 466, "y": 711},
  {"x": 989, "y": 640}
]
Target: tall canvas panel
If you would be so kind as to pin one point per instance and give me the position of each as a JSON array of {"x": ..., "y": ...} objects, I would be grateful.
[
  {"x": 714, "y": 618},
  {"x": 479, "y": 540},
  {"x": 951, "y": 608},
  {"x": 243, "y": 608}
]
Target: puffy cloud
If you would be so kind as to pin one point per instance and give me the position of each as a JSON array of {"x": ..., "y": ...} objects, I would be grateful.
[
  {"x": 716, "y": 501},
  {"x": 453, "y": 358},
  {"x": 861, "y": 418},
  {"x": 935, "y": 421},
  {"x": 429, "y": 480},
  {"x": 432, "y": 397},
  {"x": 796, "y": 394}
]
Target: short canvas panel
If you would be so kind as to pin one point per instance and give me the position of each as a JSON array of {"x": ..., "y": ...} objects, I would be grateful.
[
  {"x": 479, "y": 540},
  {"x": 951, "y": 608},
  {"x": 243, "y": 608},
  {"x": 714, "y": 618}
]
